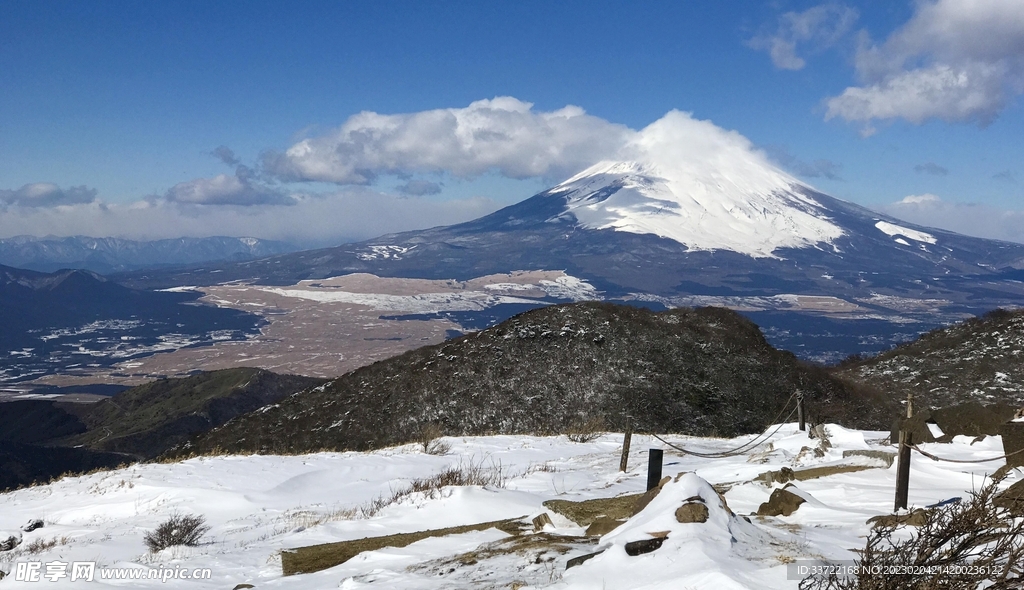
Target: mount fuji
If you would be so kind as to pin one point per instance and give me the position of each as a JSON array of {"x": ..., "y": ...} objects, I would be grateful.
[{"x": 690, "y": 214}]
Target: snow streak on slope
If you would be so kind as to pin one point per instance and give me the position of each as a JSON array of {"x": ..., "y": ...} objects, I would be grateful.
[
  {"x": 897, "y": 230},
  {"x": 702, "y": 186}
]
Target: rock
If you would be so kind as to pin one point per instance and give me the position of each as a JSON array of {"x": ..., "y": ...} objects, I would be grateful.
[
  {"x": 1012, "y": 498},
  {"x": 692, "y": 512},
  {"x": 888, "y": 456},
  {"x": 649, "y": 495},
  {"x": 1013, "y": 441},
  {"x": 243, "y": 586},
  {"x": 781, "y": 476},
  {"x": 634, "y": 548},
  {"x": 32, "y": 525},
  {"x": 725, "y": 504},
  {"x": 602, "y": 525},
  {"x": 9, "y": 540},
  {"x": 969, "y": 419},
  {"x": 575, "y": 561},
  {"x": 585, "y": 512},
  {"x": 916, "y": 518},
  {"x": 540, "y": 521},
  {"x": 781, "y": 503}
]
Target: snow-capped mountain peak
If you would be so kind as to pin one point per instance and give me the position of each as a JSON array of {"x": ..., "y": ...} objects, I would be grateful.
[{"x": 701, "y": 186}]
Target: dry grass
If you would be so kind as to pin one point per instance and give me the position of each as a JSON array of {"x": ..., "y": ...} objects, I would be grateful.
[{"x": 40, "y": 545}]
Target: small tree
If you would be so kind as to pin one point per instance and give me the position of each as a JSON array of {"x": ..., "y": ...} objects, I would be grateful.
[
  {"x": 179, "y": 529},
  {"x": 969, "y": 544}
]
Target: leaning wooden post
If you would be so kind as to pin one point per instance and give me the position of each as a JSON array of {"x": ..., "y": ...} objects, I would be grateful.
[
  {"x": 800, "y": 410},
  {"x": 654, "y": 468},
  {"x": 626, "y": 439},
  {"x": 903, "y": 469}
]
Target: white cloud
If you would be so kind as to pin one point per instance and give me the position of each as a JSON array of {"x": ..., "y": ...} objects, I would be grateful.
[
  {"x": 225, "y": 155},
  {"x": 955, "y": 60},
  {"x": 931, "y": 168},
  {"x": 1005, "y": 176},
  {"x": 502, "y": 134},
  {"x": 45, "y": 194},
  {"x": 239, "y": 189},
  {"x": 354, "y": 214},
  {"x": 925, "y": 199},
  {"x": 816, "y": 28},
  {"x": 243, "y": 204},
  {"x": 419, "y": 188},
  {"x": 983, "y": 221},
  {"x": 822, "y": 168}
]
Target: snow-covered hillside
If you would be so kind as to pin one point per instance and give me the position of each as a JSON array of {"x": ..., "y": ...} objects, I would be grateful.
[{"x": 259, "y": 505}]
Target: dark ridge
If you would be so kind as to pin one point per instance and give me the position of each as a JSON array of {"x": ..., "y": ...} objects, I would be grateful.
[
  {"x": 23, "y": 464},
  {"x": 980, "y": 359},
  {"x": 705, "y": 371},
  {"x": 41, "y": 439},
  {"x": 147, "y": 420}
]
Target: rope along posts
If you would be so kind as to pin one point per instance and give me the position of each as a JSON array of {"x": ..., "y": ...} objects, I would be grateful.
[
  {"x": 758, "y": 440},
  {"x": 936, "y": 458}
]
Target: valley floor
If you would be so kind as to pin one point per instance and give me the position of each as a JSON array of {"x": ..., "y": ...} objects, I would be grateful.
[{"x": 258, "y": 505}]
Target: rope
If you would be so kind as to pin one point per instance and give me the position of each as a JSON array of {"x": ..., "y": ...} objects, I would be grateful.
[
  {"x": 738, "y": 450},
  {"x": 934, "y": 458}
]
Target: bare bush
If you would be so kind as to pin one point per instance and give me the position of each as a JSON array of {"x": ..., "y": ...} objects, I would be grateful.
[
  {"x": 585, "y": 430},
  {"x": 430, "y": 438},
  {"x": 963, "y": 545},
  {"x": 40, "y": 545},
  {"x": 179, "y": 529}
]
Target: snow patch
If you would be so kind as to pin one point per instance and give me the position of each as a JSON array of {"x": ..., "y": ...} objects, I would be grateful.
[{"x": 891, "y": 229}]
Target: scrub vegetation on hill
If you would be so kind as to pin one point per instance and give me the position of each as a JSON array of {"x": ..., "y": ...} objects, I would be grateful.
[
  {"x": 706, "y": 371},
  {"x": 980, "y": 359}
]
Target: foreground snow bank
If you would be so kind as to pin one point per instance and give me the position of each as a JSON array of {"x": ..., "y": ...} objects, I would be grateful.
[{"x": 258, "y": 505}]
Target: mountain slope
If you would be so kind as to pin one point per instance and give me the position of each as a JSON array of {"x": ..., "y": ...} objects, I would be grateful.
[
  {"x": 147, "y": 420},
  {"x": 981, "y": 360},
  {"x": 107, "y": 255},
  {"x": 685, "y": 220},
  {"x": 62, "y": 319},
  {"x": 704, "y": 371},
  {"x": 44, "y": 438}
]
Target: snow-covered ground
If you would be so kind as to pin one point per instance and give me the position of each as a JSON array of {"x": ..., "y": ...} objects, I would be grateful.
[{"x": 258, "y": 505}]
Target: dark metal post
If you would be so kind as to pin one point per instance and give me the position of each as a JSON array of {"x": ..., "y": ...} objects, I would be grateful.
[
  {"x": 800, "y": 410},
  {"x": 654, "y": 459},
  {"x": 626, "y": 439},
  {"x": 903, "y": 469}
]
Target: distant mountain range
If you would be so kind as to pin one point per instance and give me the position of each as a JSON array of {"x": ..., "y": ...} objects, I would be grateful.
[
  {"x": 109, "y": 255},
  {"x": 56, "y": 322},
  {"x": 823, "y": 277}
]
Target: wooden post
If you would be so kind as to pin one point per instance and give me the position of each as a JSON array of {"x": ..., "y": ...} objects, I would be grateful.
[
  {"x": 626, "y": 439},
  {"x": 903, "y": 469},
  {"x": 654, "y": 458},
  {"x": 800, "y": 410}
]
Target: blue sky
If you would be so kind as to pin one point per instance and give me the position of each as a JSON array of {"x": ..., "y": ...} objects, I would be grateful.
[{"x": 152, "y": 119}]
